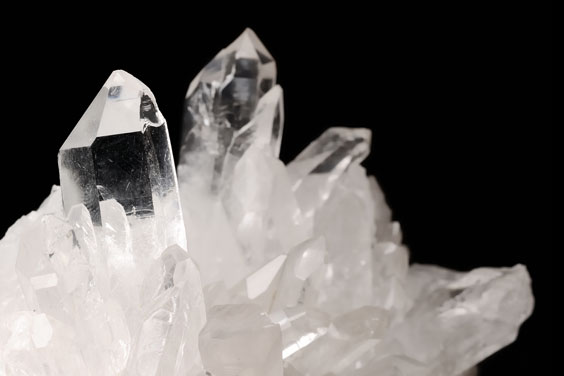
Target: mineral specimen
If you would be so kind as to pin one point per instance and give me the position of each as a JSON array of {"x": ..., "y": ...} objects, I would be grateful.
[{"x": 289, "y": 270}]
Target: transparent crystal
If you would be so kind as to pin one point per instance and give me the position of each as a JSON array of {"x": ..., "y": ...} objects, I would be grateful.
[
  {"x": 168, "y": 337},
  {"x": 229, "y": 173},
  {"x": 220, "y": 101},
  {"x": 345, "y": 340},
  {"x": 120, "y": 150},
  {"x": 318, "y": 167},
  {"x": 263, "y": 131}
]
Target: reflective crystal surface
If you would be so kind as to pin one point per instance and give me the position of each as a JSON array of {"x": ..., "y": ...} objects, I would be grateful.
[
  {"x": 230, "y": 176},
  {"x": 316, "y": 170},
  {"x": 120, "y": 149},
  {"x": 220, "y": 101},
  {"x": 289, "y": 270},
  {"x": 313, "y": 246}
]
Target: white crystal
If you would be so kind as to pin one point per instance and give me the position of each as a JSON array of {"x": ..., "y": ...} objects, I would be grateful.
[
  {"x": 221, "y": 100},
  {"x": 240, "y": 340},
  {"x": 316, "y": 170}
]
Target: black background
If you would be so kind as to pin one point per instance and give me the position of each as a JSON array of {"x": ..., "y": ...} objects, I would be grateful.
[{"x": 459, "y": 99}]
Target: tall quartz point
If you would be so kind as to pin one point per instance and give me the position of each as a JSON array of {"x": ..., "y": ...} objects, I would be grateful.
[
  {"x": 220, "y": 101},
  {"x": 231, "y": 180},
  {"x": 120, "y": 149}
]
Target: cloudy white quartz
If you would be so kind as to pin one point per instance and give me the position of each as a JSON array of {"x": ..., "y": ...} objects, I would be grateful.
[{"x": 287, "y": 270}]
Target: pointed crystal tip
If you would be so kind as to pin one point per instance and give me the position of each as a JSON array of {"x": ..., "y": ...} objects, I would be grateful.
[
  {"x": 248, "y": 45},
  {"x": 245, "y": 57},
  {"x": 123, "y": 105},
  {"x": 336, "y": 146},
  {"x": 129, "y": 85}
]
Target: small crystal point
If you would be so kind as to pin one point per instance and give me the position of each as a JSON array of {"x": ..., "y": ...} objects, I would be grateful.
[
  {"x": 335, "y": 149},
  {"x": 120, "y": 149},
  {"x": 246, "y": 56},
  {"x": 318, "y": 167},
  {"x": 263, "y": 133}
]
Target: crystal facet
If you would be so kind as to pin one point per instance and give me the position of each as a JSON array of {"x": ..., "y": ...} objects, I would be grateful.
[
  {"x": 229, "y": 173},
  {"x": 104, "y": 286},
  {"x": 220, "y": 101}
]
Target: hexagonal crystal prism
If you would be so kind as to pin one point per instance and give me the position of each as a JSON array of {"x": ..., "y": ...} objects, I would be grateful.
[{"x": 120, "y": 149}]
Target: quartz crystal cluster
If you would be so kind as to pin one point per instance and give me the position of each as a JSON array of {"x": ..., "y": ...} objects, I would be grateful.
[{"x": 243, "y": 266}]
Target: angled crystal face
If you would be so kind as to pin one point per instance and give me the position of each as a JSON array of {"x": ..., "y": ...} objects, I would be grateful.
[
  {"x": 301, "y": 327},
  {"x": 220, "y": 101},
  {"x": 341, "y": 343},
  {"x": 263, "y": 131},
  {"x": 333, "y": 151},
  {"x": 236, "y": 78},
  {"x": 120, "y": 149},
  {"x": 316, "y": 170},
  {"x": 232, "y": 134}
]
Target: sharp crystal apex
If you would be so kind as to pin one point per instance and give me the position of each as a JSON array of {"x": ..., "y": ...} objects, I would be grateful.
[
  {"x": 336, "y": 144},
  {"x": 123, "y": 105},
  {"x": 246, "y": 57},
  {"x": 249, "y": 44}
]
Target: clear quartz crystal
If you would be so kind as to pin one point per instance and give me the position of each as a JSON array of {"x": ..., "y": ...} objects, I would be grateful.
[
  {"x": 303, "y": 269},
  {"x": 316, "y": 170},
  {"x": 120, "y": 149},
  {"x": 220, "y": 101}
]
